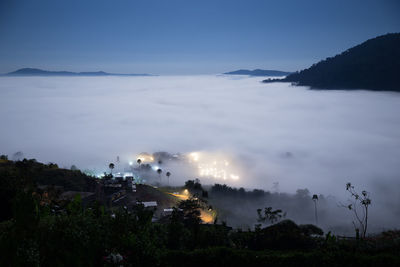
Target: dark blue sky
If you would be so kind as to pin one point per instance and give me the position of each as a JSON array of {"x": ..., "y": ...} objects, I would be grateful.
[{"x": 185, "y": 37}]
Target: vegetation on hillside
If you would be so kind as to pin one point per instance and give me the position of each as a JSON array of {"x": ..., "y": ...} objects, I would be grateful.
[
  {"x": 40, "y": 231},
  {"x": 373, "y": 65}
]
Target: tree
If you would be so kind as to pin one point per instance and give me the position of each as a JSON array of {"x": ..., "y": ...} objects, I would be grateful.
[
  {"x": 139, "y": 161},
  {"x": 18, "y": 156},
  {"x": 270, "y": 215},
  {"x": 194, "y": 186},
  {"x": 168, "y": 174},
  {"x": 159, "y": 171},
  {"x": 315, "y": 199},
  {"x": 191, "y": 212},
  {"x": 111, "y": 166},
  {"x": 359, "y": 201},
  {"x": 176, "y": 232}
]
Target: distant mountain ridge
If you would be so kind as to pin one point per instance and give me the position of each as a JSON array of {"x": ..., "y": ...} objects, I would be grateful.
[
  {"x": 258, "y": 72},
  {"x": 372, "y": 65},
  {"x": 40, "y": 72}
]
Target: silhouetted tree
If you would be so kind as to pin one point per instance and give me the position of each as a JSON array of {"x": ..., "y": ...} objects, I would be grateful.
[
  {"x": 111, "y": 167},
  {"x": 270, "y": 215},
  {"x": 191, "y": 212},
  {"x": 315, "y": 199},
  {"x": 194, "y": 186},
  {"x": 360, "y": 201},
  {"x": 159, "y": 171}
]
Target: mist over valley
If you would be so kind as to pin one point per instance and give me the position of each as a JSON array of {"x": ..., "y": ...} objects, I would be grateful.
[{"x": 277, "y": 137}]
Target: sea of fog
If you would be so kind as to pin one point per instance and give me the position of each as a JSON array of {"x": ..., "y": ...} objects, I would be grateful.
[{"x": 278, "y": 137}]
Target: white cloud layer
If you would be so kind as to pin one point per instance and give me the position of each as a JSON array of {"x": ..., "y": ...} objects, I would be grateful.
[{"x": 276, "y": 133}]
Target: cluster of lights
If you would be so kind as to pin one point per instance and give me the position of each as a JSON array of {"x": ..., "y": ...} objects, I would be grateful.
[
  {"x": 145, "y": 158},
  {"x": 194, "y": 156},
  {"x": 215, "y": 168},
  {"x": 207, "y": 165},
  {"x": 204, "y": 170}
]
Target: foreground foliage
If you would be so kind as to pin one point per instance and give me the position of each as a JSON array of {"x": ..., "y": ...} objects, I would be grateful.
[{"x": 37, "y": 233}]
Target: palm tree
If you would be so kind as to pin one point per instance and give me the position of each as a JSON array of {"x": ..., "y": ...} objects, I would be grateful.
[
  {"x": 315, "y": 199},
  {"x": 139, "y": 161},
  {"x": 111, "y": 166},
  {"x": 159, "y": 171},
  {"x": 168, "y": 174}
]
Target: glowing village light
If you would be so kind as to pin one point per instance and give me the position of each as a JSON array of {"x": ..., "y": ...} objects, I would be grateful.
[
  {"x": 145, "y": 158},
  {"x": 212, "y": 166},
  {"x": 194, "y": 156},
  {"x": 234, "y": 177}
]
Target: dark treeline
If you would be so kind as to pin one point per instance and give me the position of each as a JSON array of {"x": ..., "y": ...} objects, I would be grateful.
[
  {"x": 373, "y": 65},
  {"x": 42, "y": 231},
  {"x": 224, "y": 190},
  {"x": 239, "y": 206}
]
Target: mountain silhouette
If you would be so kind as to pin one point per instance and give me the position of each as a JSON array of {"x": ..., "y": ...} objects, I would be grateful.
[
  {"x": 258, "y": 72},
  {"x": 372, "y": 65},
  {"x": 39, "y": 72}
]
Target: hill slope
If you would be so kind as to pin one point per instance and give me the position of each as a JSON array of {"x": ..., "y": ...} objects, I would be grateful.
[{"x": 373, "y": 65}]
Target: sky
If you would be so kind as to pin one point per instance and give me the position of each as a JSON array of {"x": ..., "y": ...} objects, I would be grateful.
[{"x": 185, "y": 37}]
